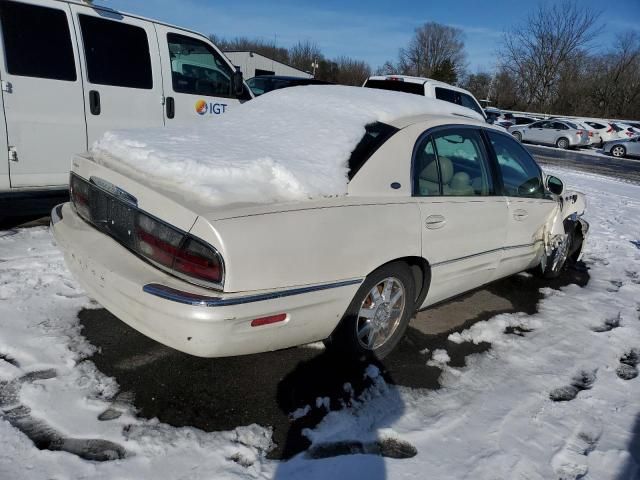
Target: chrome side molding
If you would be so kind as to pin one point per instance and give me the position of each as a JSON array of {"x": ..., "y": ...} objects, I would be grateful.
[{"x": 194, "y": 299}]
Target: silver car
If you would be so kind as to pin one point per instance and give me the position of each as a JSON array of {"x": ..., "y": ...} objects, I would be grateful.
[
  {"x": 560, "y": 133},
  {"x": 623, "y": 147}
]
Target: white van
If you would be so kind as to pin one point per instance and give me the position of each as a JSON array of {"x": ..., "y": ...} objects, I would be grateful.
[
  {"x": 428, "y": 88},
  {"x": 71, "y": 70}
]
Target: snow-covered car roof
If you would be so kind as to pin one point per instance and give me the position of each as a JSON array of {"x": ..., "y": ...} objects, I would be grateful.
[{"x": 290, "y": 144}]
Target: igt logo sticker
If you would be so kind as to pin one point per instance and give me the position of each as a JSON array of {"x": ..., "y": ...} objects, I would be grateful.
[{"x": 202, "y": 107}]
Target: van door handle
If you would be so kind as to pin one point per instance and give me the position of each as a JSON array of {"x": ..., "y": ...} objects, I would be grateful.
[
  {"x": 434, "y": 222},
  {"x": 94, "y": 102},
  {"x": 171, "y": 107},
  {"x": 520, "y": 214}
]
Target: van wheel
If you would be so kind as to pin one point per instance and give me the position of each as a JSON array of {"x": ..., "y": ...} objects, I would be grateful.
[
  {"x": 378, "y": 315},
  {"x": 562, "y": 143}
]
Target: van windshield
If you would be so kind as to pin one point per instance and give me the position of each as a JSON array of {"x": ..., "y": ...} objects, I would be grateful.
[{"x": 396, "y": 86}]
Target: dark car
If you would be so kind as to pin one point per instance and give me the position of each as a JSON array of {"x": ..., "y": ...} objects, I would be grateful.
[{"x": 266, "y": 83}]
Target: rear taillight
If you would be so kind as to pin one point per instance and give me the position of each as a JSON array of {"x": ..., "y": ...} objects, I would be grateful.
[
  {"x": 590, "y": 133},
  {"x": 182, "y": 254},
  {"x": 79, "y": 194},
  {"x": 163, "y": 245},
  {"x": 579, "y": 132},
  {"x": 610, "y": 129}
]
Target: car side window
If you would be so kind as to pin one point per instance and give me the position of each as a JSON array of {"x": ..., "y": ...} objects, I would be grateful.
[
  {"x": 559, "y": 126},
  {"x": 37, "y": 41},
  {"x": 117, "y": 54},
  {"x": 451, "y": 162},
  {"x": 198, "y": 69},
  {"x": 521, "y": 176}
]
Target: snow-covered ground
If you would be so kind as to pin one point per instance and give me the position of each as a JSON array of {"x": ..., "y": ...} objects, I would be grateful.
[{"x": 556, "y": 402}]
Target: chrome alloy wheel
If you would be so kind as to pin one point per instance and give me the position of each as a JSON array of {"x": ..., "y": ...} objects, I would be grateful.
[{"x": 380, "y": 313}]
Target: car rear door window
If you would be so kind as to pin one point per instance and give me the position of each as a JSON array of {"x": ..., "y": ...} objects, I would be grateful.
[
  {"x": 37, "y": 41},
  {"x": 521, "y": 176},
  {"x": 452, "y": 162},
  {"x": 198, "y": 69},
  {"x": 117, "y": 54}
]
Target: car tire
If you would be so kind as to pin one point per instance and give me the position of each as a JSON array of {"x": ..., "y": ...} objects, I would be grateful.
[
  {"x": 618, "y": 151},
  {"x": 517, "y": 136},
  {"x": 371, "y": 328},
  {"x": 563, "y": 143}
]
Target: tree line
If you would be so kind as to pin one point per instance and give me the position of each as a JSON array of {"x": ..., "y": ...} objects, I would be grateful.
[{"x": 550, "y": 63}]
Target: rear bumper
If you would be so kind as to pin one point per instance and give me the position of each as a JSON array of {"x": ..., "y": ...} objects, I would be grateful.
[{"x": 189, "y": 318}]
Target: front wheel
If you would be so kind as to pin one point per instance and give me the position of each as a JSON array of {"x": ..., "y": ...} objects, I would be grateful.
[
  {"x": 378, "y": 315},
  {"x": 618, "y": 151}
]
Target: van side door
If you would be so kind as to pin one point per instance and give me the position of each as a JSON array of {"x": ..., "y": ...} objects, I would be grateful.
[
  {"x": 198, "y": 78},
  {"x": 41, "y": 91},
  {"x": 121, "y": 65}
]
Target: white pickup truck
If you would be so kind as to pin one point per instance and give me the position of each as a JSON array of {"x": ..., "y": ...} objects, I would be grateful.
[{"x": 70, "y": 70}]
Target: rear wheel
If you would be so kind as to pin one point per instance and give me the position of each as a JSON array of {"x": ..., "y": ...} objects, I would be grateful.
[
  {"x": 618, "y": 151},
  {"x": 562, "y": 143},
  {"x": 378, "y": 315}
]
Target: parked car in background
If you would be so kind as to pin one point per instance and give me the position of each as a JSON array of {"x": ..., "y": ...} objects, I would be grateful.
[
  {"x": 428, "y": 88},
  {"x": 623, "y": 147},
  {"x": 71, "y": 70},
  {"x": 594, "y": 135},
  {"x": 267, "y": 83},
  {"x": 461, "y": 204},
  {"x": 606, "y": 130},
  {"x": 625, "y": 130},
  {"x": 560, "y": 133}
]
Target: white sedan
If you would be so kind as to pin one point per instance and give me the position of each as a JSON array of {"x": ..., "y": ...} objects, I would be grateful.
[{"x": 342, "y": 213}]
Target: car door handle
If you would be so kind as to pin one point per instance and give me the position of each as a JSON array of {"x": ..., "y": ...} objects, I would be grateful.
[
  {"x": 520, "y": 214},
  {"x": 171, "y": 107},
  {"x": 433, "y": 222},
  {"x": 94, "y": 102}
]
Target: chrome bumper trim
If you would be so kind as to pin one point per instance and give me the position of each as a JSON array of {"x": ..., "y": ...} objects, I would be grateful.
[
  {"x": 187, "y": 298},
  {"x": 56, "y": 213}
]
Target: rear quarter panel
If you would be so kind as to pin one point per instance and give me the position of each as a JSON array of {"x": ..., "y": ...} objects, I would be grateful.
[{"x": 318, "y": 245}]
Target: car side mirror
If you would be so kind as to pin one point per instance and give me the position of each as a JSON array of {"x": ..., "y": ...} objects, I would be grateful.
[
  {"x": 555, "y": 185},
  {"x": 238, "y": 83}
]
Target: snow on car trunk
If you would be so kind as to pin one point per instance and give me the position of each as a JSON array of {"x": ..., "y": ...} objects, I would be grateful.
[
  {"x": 494, "y": 418},
  {"x": 290, "y": 144}
]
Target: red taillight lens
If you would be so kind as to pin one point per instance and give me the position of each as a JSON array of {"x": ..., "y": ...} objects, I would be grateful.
[
  {"x": 579, "y": 132},
  {"x": 590, "y": 133},
  {"x": 157, "y": 241},
  {"x": 79, "y": 194},
  {"x": 610, "y": 129},
  {"x": 281, "y": 317},
  {"x": 197, "y": 260}
]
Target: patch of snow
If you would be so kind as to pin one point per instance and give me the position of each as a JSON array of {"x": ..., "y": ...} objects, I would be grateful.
[
  {"x": 439, "y": 358},
  {"x": 291, "y": 144}
]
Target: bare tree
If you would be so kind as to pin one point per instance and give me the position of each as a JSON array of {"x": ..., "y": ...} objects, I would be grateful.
[
  {"x": 303, "y": 54},
  {"x": 351, "y": 71},
  {"x": 433, "y": 48},
  {"x": 479, "y": 84},
  {"x": 536, "y": 51}
]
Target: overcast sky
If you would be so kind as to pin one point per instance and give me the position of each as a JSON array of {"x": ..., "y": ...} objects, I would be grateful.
[{"x": 372, "y": 31}]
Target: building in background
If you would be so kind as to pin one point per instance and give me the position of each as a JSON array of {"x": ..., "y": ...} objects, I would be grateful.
[{"x": 253, "y": 64}]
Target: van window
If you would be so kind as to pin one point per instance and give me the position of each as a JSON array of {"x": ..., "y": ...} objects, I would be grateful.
[
  {"x": 197, "y": 68},
  {"x": 469, "y": 102},
  {"x": 396, "y": 85},
  {"x": 447, "y": 95},
  {"x": 37, "y": 41},
  {"x": 117, "y": 54}
]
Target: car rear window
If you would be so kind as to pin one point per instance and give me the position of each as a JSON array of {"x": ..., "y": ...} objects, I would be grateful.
[
  {"x": 376, "y": 134},
  {"x": 396, "y": 86}
]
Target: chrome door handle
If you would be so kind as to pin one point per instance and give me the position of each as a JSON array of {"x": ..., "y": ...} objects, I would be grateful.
[
  {"x": 433, "y": 222},
  {"x": 520, "y": 214}
]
